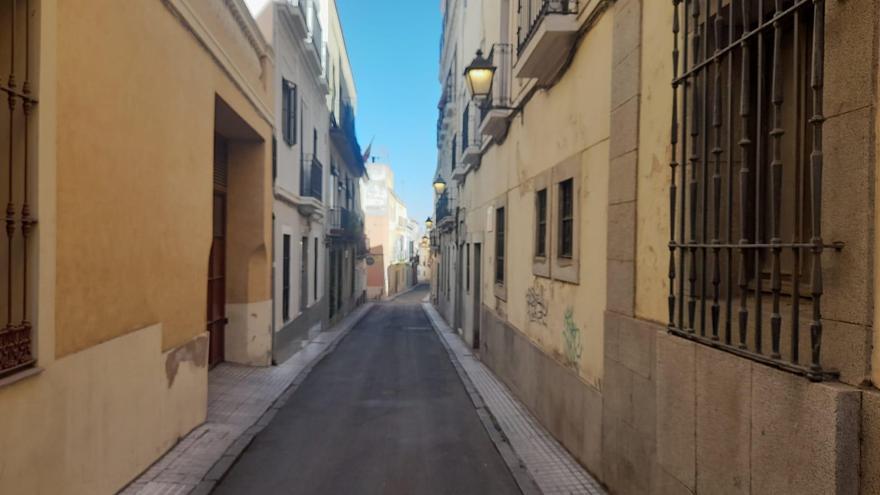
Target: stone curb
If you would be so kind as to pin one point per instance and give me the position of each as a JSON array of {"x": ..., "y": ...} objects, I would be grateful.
[{"x": 521, "y": 475}]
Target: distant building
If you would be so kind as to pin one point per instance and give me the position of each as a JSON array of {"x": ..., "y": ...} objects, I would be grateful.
[
  {"x": 316, "y": 172},
  {"x": 391, "y": 233}
]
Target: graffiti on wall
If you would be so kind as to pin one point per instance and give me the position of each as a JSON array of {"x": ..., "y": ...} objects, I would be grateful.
[
  {"x": 537, "y": 307},
  {"x": 571, "y": 335}
]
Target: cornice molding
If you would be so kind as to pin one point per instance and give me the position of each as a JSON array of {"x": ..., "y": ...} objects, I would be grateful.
[
  {"x": 187, "y": 16},
  {"x": 248, "y": 25}
]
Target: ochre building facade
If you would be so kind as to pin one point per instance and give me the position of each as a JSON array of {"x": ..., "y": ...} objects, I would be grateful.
[
  {"x": 138, "y": 177},
  {"x": 659, "y": 230}
]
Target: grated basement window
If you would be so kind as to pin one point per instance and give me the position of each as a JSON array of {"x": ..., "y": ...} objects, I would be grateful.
[
  {"x": 745, "y": 201},
  {"x": 17, "y": 121}
]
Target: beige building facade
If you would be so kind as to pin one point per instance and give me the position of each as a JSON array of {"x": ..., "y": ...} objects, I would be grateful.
[
  {"x": 390, "y": 233},
  {"x": 658, "y": 230},
  {"x": 140, "y": 160}
]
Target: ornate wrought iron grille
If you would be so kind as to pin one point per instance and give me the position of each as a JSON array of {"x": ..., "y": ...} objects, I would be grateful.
[
  {"x": 16, "y": 335},
  {"x": 746, "y": 167}
]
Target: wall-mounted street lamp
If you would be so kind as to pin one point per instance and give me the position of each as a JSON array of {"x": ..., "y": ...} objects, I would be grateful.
[
  {"x": 480, "y": 74},
  {"x": 439, "y": 185},
  {"x": 429, "y": 223}
]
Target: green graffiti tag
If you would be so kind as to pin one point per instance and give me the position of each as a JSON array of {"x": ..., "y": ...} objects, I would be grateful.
[{"x": 572, "y": 336}]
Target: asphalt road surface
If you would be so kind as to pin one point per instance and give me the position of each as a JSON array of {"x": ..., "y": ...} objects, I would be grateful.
[{"x": 385, "y": 413}]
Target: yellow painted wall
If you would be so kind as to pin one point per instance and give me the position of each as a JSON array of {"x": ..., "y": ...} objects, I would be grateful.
[
  {"x": 93, "y": 420},
  {"x": 124, "y": 158},
  {"x": 652, "y": 236},
  {"x": 135, "y": 143},
  {"x": 570, "y": 119}
]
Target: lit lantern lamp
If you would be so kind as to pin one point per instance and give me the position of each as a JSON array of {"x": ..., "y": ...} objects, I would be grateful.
[
  {"x": 429, "y": 223},
  {"x": 439, "y": 185},
  {"x": 480, "y": 74}
]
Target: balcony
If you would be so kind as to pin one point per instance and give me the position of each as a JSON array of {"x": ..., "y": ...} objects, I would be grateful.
[
  {"x": 471, "y": 139},
  {"x": 344, "y": 137},
  {"x": 315, "y": 39},
  {"x": 546, "y": 33},
  {"x": 344, "y": 223},
  {"x": 497, "y": 109},
  {"x": 311, "y": 185},
  {"x": 295, "y": 15},
  {"x": 441, "y": 210}
]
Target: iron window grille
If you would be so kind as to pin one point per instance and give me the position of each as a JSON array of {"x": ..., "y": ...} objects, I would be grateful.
[
  {"x": 315, "y": 269},
  {"x": 566, "y": 218},
  {"x": 304, "y": 274},
  {"x": 285, "y": 280},
  {"x": 465, "y": 127},
  {"x": 288, "y": 111},
  {"x": 541, "y": 224},
  {"x": 746, "y": 167},
  {"x": 16, "y": 334},
  {"x": 499, "y": 246},
  {"x": 467, "y": 266}
]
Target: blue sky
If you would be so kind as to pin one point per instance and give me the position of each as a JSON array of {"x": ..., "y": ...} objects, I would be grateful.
[{"x": 394, "y": 49}]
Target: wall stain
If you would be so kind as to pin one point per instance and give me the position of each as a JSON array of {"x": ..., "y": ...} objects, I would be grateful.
[
  {"x": 572, "y": 337},
  {"x": 194, "y": 351},
  {"x": 537, "y": 308}
]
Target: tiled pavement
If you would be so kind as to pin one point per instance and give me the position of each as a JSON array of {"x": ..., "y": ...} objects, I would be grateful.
[
  {"x": 241, "y": 401},
  {"x": 551, "y": 467}
]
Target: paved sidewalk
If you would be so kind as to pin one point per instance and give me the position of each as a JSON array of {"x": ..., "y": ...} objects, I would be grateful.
[
  {"x": 551, "y": 467},
  {"x": 241, "y": 402}
]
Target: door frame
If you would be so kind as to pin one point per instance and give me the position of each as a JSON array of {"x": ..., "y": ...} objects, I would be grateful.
[
  {"x": 216, "y": 318},
  {"x": 477, "y": 286}
]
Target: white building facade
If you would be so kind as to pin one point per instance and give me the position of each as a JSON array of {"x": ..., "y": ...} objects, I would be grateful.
[{"x": 304, "y": 171}]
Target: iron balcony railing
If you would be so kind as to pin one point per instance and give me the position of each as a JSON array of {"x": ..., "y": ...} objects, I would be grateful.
[
  {"x": 298, "y": 6},
  {"x": 746, "y": 246},
  {"x": 532, "y": 12},
  {"x": 442, "y": 211},
  {"x": 502, "y": 58},
  {"x": 470, "y": 126},
  {"x": 315, "y": 32},
  {"x": 343, "y": 221},
  {"x": 345, "y": 123},
  {"x": 312, "y": 181},
  {"x": 16, "y": 156}
]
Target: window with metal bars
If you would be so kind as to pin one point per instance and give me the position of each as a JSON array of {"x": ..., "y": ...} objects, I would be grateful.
[
  {"x": 541, "y": 224},
  {"x": 566, "y": 218},
  {"x": 745, "y": 200},
  {"x": 465, "y": 127},
  {"x": 17, "y": 122},
  {"x": 315, "y": 271},
  {"x": 288, "y": 111},
  {"x": 499, "y": 245},
  {"x": 285, "y": 279},
  {"x": 304, "y": 275},
  {"x": 467, "y": 265}
]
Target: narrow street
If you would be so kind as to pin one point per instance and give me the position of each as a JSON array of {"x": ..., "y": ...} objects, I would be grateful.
[{"x": 384, "y": 413}]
